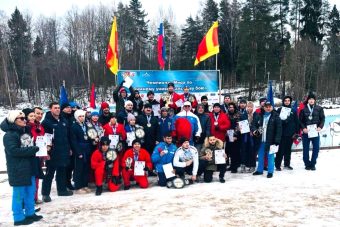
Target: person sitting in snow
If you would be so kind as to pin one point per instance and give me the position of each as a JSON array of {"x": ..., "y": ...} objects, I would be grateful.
[
  {"x": 163, "y": 154},
  {"x": 131, "y": 156},
  {"x": 106, "y": 167},
  {"x": 207, "y": 159},
  {"x": 186, "y": 159}
]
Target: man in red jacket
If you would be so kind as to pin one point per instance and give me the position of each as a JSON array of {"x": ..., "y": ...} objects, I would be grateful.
[
  {"x": 131, "y": 156},
  {"x": 105, "y": 167},
  {"x": 220, "y": 122}
]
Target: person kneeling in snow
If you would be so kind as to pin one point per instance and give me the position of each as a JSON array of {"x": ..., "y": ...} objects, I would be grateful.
[
  {"x": 207, "y": 159},
  {"x": 163, "y": 154},
  {"x": 129, "y": 164},
  {"x": 105, "y": 166},
  {"x": 186, "y": 160}
]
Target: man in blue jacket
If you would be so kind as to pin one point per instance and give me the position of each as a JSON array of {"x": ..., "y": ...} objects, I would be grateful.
[{"x": 163, "y": 154}]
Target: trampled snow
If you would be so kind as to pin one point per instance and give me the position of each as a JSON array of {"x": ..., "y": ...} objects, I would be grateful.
[{"x": 290, "y": 198}]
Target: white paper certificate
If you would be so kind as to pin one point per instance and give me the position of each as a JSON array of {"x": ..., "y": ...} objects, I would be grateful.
[
  {"x": 285, "y": 111},
  {"x": 244, "y": 126},
  {"x": 130, "y": 136},
  {"x": 179, "y": 103},
  {"x": 230, "y": 133},
  {"x": 139, "y": 168},
  {"x": 168, "y": 170},
  {"x": 128, "y": 82},
  {"x": 41, "y": 143},
  {"x": 273, "y": 149},
  {"x": 312, "y": 132},
  {"x": 114, "y": 141},
  {"x": 219, "y": 157},
  {"x": 155, "y": 109},
  {"x": 48, "y": 138}
]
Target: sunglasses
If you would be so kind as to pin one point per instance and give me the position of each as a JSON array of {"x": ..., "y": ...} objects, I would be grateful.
[{"x": 21, "y": 118}]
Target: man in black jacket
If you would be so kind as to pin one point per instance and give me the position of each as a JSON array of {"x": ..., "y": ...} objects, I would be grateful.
[
  {"x": 312, "y": 116},
  {"x": 205, "y": 125},
  {"x": 290, "y": 127},
  {"x": 20, "y": 156},
  {"x": 120, "y": 96},
  {"x": 59, "y": 154},
  {"x": 271, "y": 125}
]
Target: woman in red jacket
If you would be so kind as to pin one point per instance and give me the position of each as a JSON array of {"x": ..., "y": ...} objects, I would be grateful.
[
  {"x": 105, "y": 167},
  {"x": 136, "y": 153},
  {"x": 220, "y": 122}
]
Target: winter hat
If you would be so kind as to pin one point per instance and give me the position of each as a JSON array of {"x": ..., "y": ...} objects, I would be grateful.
[
  {"x": 311, "y": 95},
  {"x": 113, "y": 115},
  {"x": 136, "y": 141},
  {"x": 204, "y": 97},
  {"x": 164, "y": 109},
  {"x": 267, "y": 103},
  {"x": 186, "y": 103},
  {"x": 227, "y": 96},
  {"x": 216, "y": 105},
  {"x": 79, "y": 113},
  {"x": 64, "y": 105},
  {"x": 74, "y": 105},
  {"x": 130, "y": 117},
  {"x": 27, "y": 111},
  {"x": 13, "y": 114},
  {"x": 147, "y": 105},
  {"x": 136, "y": 92},
  {"x": 263, "y": 100},
  {"x": 171, "y": 84},
  {"x": 104, "y": 105},
  {"x": 200, "y": 105},
  {"x": 104, "y": 141},
  {"x": 150, "y": 93},
  {"x": 95, "y": 113},
  {"x": 183, "y": 139},
  {"x": 127, "y": 102},
  {"x": 243, "y": 101},
  {"x": 122, "y": 90}
]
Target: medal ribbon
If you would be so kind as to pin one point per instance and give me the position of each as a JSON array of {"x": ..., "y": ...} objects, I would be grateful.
[{"x": 310, "y": 110}]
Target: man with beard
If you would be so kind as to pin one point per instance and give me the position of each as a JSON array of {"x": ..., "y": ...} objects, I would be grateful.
[
  {"x": 137, "y": 103},
  {"x": 224, "y": 106},
  {"x": 290, "y": 127},
  {"x": 219, "y": 122},
  {"x": 174, "y": 97},
  {"x": 186, "y": 96},
  {"x": 204, "y": 102},
  {"x": 205, "y": 125},
  {"x": 104, "y": 113},
  {"x": 122, "y": 115}
]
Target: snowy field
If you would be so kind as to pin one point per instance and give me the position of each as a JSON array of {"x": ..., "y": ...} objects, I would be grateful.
[{"x": 290, "y": 198}]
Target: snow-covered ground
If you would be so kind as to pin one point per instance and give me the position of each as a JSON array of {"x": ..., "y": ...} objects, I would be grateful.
[{"x": 290, "y": 198}]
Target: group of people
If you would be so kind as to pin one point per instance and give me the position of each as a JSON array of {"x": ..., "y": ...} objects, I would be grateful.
[{"x": 141, "y": 137}]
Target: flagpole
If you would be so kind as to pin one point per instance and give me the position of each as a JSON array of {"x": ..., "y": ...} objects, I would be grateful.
[{"x": 216, "y": 61}]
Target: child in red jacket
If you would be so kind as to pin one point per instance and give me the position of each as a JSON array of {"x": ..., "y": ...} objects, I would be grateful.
[
  {"x": 136, "y": 153},
  {"x": 105, "y": 164}
]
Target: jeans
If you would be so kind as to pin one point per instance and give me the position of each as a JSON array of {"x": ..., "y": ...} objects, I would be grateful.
[
  {"x": 23, "y": 195},
  {"x": 261, "y": 160},
  {"x": 316, "y": 147}
]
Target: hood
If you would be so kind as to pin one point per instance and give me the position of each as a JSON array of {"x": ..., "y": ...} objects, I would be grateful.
[
  {"x": 6, "y": 126},
  {"x": 219, "y": 143},
  {"x": 287, "y": 97}
]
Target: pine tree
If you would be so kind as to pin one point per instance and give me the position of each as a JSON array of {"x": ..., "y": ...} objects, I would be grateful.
[
  {"x": 311, "y": 20},
  {"x": 19, "y": 40},
  {"x": 38, "y": 47}
]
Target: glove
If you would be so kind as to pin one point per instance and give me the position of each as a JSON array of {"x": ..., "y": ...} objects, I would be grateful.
[
  {"x": 115, "y": 180},
  {"x": 276, "y": 144},
  {"x": 127, "y": 168},
  {"x": 36, "y": 149},
  {"x": 146, "y": 168},
  {"x": 197, "y": 138}
]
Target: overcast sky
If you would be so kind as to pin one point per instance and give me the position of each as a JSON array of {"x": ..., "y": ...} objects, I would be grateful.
[{"x": 181, "y": 8}]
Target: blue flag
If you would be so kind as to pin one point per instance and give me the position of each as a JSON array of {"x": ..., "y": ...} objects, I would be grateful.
[
  {"x": 270, "y": 94},
  {"x": 63, "y": 95},
  {"x": 295, "y": 106}
]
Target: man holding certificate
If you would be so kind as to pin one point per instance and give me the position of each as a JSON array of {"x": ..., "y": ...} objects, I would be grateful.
[
  {"x": 163, "y": 154},
  {"x": 135, "y": 164},
  {"x": 312, "y": 120},
  {"x": 212, "y": 157},
  {"x": 271, "y": 125}
]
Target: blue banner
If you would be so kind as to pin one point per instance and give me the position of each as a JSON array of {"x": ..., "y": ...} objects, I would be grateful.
[{"x": 157, "y": 81}]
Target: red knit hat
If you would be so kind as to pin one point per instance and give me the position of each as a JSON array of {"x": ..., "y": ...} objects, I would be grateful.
[
  {"x": 104, "y": 105},
  {"x": 122, "y": 90}
]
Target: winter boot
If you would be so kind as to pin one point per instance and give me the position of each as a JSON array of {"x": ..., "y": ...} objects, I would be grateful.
[
  {"x": 243, "y": 169},
  {"x": 99, "y": 190}
]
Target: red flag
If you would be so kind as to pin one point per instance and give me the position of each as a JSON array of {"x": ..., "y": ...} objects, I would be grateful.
[{"x": 93, "y": 97}]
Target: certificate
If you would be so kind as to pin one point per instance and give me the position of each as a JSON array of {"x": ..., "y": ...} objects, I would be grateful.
[
  {"x": 285, "y": 111},
  {"x": 139, "y": 168},
  {"x": 273, "y": 149},
  {"x": 230, "y": 134},
  {"x": 168, "y": 170},
  {"x": 312, "y": 132},
  {"x": 155, "y": 109},
  {"x": 244, "y": 126},
  {"x": 41, "y": 143},
  {"x": 114, "y": 141},
  {"x": 179, "y": 103},
  {"x": 220, "y": 157},
  {"x": 48, "y": 138},
  {"x": 128, "y": 82},
  {"x": 130, "y": 136}
]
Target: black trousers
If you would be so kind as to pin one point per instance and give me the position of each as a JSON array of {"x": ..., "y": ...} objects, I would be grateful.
[
  {"x": 181, "y": 171},
  {"x": 69, "y": 170},
  {"x": 81, "y": 172},
  {"x": 235, "y": 154},
  {"x": 208, "y": 174},
  {"x": 60, "y": 179},
  {"x": 285, "y": 151}
]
